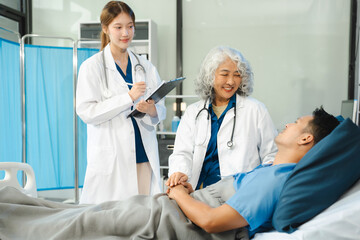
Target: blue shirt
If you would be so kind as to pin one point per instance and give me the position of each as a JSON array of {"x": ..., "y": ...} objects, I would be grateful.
[
  {"x": 139, "y": 146},
  {"x": 257, "y": 193},
  {"x": 210, "y": 172}
]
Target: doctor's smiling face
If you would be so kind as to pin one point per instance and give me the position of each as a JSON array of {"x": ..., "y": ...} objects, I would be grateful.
[
  {"x": 120, "y": 31},
  {"x": 227, "y": 81}
]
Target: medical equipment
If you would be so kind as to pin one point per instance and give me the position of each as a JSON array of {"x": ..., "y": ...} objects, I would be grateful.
[
  {"x": 230, "y": 143},
  {"x": 175, "y": 123},
  {"x": 138, "y": 68}
]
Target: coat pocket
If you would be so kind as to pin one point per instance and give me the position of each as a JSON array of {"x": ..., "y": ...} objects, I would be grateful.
[{"x": 101, "y": 160}]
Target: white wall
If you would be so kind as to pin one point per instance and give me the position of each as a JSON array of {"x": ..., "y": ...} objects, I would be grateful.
[
  {"x": 62, "y": 18},
  {"x": 298, "y": 48}
]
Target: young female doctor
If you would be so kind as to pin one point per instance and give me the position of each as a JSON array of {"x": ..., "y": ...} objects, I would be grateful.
[
  {"x": 225, "y": 132},
  {"x": 122, "y": 152}
]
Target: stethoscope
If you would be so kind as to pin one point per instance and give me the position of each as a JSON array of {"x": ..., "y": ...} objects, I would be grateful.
[
  {"x": 230, "y": 143},
  {"x": 138, "y": 68}
]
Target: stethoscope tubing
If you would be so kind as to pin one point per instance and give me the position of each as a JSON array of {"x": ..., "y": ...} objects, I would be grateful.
[
  {"x": 137, "y": 67},
  {"x": 230, "y": 143}
]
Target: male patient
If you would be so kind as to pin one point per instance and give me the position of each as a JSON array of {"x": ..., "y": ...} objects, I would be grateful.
[
  {"x": 252, "y": 200},
  {"x": 245, "y": 199}
]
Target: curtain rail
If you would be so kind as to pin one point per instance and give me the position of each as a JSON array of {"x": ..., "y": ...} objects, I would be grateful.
[
  {"x": 23, "y": 94},
  {"x": 75, "y": 61}
]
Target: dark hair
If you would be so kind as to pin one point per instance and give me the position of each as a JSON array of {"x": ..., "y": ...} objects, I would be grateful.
[
  {"x": 111, "y": 10},
  {"x": 322, "y": 124}
]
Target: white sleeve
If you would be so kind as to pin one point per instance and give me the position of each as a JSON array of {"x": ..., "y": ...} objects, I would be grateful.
[
  {"x": 268, "y": 132},
  {"x": 182, "y": 158},
  {"x": 90, "y": 106}
]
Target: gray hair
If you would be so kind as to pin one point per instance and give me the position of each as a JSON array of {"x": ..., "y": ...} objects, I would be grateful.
[{"x": 204, "y": 83}]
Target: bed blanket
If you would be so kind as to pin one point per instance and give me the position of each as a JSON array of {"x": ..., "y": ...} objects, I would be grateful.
[{"x": 139, "y": 217}]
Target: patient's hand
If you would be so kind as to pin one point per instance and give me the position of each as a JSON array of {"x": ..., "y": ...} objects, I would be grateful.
[
  {"x": 177, "y": 191},
  {"x": 183, "y": 187},
  {"x": 188, "y": 186},
  {"x": 176, "y": 178}
]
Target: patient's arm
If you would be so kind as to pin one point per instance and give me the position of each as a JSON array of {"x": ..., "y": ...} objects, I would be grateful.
[{"x": 212, "y": 220}]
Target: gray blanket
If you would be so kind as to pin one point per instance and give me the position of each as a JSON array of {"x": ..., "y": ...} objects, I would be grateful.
[{"x": 139, "y": 217}]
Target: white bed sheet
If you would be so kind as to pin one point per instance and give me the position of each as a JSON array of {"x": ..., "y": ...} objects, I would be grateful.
[{"x": 340, "y": 221}]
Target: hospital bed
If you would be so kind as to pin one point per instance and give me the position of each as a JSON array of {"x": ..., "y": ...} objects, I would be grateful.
[
  {"x": 340, "y": 221},
  {"x": 323, "y": 191},
  {"x": 11, "y": 170},
  {"x": 337, "y": 157}
]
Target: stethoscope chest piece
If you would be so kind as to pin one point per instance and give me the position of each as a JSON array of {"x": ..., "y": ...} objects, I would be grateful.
[
  {"x": 230, "y": 144},
  {"x": 107, "y": 93}
]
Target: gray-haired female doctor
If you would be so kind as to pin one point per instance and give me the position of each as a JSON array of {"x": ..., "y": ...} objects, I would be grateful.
[
  {"x": 122, "y": 152},
  {"x": 225, "y": 132}
]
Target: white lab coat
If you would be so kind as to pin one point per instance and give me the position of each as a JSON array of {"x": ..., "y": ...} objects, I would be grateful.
[
  {"x": 111, "y": 159},
  {"x": 253, "y": 139}
]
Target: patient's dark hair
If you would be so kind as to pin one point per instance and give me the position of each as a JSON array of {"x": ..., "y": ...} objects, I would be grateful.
[{"x": 322, "y": 124}]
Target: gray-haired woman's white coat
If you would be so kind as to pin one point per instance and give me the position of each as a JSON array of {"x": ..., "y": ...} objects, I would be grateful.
[
  {"x": 253, "y": 139},
  {"x": 111, "y": 159}
]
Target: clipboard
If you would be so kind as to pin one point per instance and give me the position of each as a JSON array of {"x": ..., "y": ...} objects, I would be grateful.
[{"x": 161, "y": 91}]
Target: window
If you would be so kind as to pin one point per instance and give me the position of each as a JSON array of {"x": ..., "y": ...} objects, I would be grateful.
[{"x": 15, "y": 16}]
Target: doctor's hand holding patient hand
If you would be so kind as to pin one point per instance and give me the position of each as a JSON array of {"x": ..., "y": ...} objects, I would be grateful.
[
  {"x": 183, "y": 188},
  {"x": 176, "y": 179}
]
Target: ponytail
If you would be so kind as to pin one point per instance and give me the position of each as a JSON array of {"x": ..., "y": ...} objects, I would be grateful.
[{"x": 104, "y": 40}]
